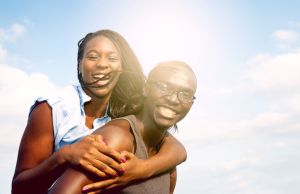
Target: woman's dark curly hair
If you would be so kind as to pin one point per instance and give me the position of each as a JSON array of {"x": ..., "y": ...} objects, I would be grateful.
[{"x": 127, "y": 95}]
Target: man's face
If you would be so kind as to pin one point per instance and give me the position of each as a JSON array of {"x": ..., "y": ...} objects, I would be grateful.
[{"x": 169, "y": 95}]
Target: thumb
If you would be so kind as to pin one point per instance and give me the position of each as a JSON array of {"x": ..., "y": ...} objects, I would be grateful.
[
  {"x": 99, "y": 138},
  {"x": 127, "y": 155}
]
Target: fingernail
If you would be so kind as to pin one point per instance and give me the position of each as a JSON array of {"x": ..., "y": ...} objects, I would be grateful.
[
  {"x": 123, "y": 160},
  {"x": 115, "y": 175},
  {"x": 103, "y": 140},
  {"x": 85, "y": 189},
  {"x": 123, "y": 170}
]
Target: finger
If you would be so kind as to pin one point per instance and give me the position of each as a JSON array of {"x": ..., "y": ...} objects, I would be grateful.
[
  {"x": 127, "y": 155},
  {"x": 111, "y": 165},
  {"x": 94, "y": 162},
  {"x": 111, "y": 153},
  {"x": 99, "y": 186},
  {"x": 99, "y": 138},
  {"x": 95, "y": 171},
  {"x": 101, "y": 166}
]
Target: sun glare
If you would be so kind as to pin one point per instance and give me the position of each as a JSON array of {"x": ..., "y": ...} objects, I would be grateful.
[{"x": 167, "y": 33}]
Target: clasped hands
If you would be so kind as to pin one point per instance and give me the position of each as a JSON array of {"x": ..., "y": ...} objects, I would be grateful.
[{"x": 115, "y": 169}]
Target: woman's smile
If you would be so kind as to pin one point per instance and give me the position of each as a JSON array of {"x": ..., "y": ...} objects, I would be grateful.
[{"x": 101, "y": 79}]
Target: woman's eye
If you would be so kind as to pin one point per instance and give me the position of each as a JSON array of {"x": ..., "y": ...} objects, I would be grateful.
[
  {"x": 92, "y": 58},
  {"x": 113, "y": 59}
]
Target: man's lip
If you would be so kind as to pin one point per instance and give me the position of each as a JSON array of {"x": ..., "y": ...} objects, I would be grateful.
[{"x": 168, "y": 107}]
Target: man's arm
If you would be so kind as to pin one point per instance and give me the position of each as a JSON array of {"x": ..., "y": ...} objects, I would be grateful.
[
  {"x": 171, "y": 154},
  {"x": 173, "y": 178}
]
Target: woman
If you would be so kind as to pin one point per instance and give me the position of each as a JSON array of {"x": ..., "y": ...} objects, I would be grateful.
[
  {"x": 109, "y": 74},
  {"x": 169, "y": 95}
]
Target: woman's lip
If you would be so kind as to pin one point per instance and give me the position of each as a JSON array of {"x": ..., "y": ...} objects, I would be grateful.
[
  {"x": 101, "y": 76},
  {"x": 98, "y": 76},
  {"x": 102, "y": 82}
]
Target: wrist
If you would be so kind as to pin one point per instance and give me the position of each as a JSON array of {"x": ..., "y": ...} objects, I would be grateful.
[
  {"x": 147, "y": 170},
  {"x": 62, "y": 155}
]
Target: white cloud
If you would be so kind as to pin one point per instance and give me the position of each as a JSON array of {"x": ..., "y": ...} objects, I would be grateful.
[
  {"x": 18, "y": 90},
  {"x": 14, "y": 32},
  {"x": 3, "y": 53},
  {"x": 272, "y": 79},
  {"x": 285, "y": 35},
  {"x": 285, "y": 38},
  {"x": 17, "y": 30},
  {"x": 2, "y": 34},
  {"x": 294, "y": 24},
  {"x": 212, "y": 131},
  {"x": 275, "y": 72},
  {"x": 239, "y": 163}
]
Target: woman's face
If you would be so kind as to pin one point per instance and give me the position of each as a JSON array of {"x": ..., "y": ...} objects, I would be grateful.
[
  {"x": 169, "y": 95},
  {"x": 100, "y": 66}
]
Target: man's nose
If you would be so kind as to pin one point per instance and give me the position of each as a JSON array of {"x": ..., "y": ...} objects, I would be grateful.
[{"x": 173, "y": 97}]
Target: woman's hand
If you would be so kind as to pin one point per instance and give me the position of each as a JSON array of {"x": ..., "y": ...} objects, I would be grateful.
[
  {"x": 134, "y": 170},
  {"x": 92, "y": 154}
]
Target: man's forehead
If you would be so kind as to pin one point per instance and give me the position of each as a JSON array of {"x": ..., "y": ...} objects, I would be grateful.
[{"x": 170, "y": 71}]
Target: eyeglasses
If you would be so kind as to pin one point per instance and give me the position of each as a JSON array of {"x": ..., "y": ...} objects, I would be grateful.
[{"x": 165, "y": 89}]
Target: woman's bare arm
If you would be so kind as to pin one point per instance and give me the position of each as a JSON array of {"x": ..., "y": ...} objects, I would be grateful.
[
  {"x": 118, "y": 136},
  {"x": 37, "y": 163}
]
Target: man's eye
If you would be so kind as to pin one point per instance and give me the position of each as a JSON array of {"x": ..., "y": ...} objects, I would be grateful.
[
  {"x": 186, "y": 95},
  {"x": 162, "y": 87}
]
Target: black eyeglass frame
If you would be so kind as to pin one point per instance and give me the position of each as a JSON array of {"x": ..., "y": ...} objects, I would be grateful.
[{"x": 165, "y": 90}]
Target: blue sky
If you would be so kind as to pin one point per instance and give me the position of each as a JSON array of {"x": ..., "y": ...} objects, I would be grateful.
[{"x": 243, "y": 132}]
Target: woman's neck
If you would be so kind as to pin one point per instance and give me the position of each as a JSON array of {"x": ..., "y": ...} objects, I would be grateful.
[
  {"x": 97, "y": 106},
  {"x": 94, "y": 108}
]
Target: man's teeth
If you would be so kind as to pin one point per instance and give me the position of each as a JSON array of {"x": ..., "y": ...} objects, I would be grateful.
[{"x": 167, "y": 112}]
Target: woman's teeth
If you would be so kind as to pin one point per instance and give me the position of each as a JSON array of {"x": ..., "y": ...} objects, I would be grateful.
[{"x": 99, "y": 76}]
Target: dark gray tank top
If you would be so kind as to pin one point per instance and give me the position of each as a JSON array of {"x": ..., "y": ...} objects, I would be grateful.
[{"x": 155, "y": 185}]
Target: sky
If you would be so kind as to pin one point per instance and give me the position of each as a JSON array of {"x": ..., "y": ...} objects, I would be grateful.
[{"x": 242, "y": 134}]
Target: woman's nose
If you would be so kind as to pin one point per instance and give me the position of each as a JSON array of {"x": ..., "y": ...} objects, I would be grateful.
[{"x": 102, "y": 63}]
